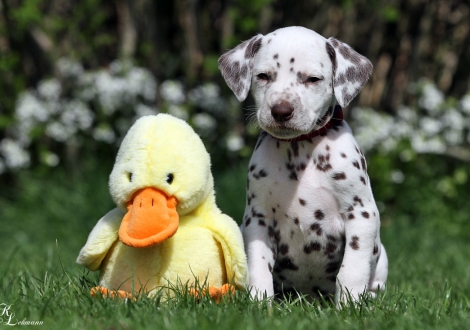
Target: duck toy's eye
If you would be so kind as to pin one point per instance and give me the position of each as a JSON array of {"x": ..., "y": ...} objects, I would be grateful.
[
  {"x": 169, "y": 178},
  {"x": 129, "y": 176}
]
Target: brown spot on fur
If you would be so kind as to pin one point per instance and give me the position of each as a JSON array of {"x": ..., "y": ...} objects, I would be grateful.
[
  {"x": 339, "y": 176},
  {"x": 286, "y": 263},
  {"x": 316, "y": 228},
  {"x": 313, "y": 246},
  {"x": 358, "y": 200},
  {"x": 319, "y": 215},
  {"x": 247, "y": 222},
  {"x": 330, "y": 247},
  {"x": 333, "y": 266},
  {"x": 354, "y": 243},
  {"x": 323, "y": 163},
  {"x": 283, "y": 249}
]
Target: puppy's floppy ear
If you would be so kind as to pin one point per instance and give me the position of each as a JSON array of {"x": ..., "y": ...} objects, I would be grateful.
[
  {"x": 351, "y": 70},
  {"x": 237, "y": 64}
]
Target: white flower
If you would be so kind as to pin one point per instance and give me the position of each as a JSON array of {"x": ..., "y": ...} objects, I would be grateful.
[
  {"x": 372, "y": 128},
  {"x": 406, "y": 155},
  {"x": 407, "y": 114},
  {"x": 397, "y": 176},
  {"x": 204, "y": 121},
  {"x": 15, "y": 156},
  {"x": 69, "y": 68},
  {"x": 87, "y": 88},
  {"x": 116, "y": 67},
  {"x": 465, "y": 104},
  {"x": 141, "y": 82},
  {"x": 453, "y": 118},
  {"x": 29, "y": 107},
  {"x": 402, "y": 129},
  {"x": 104, "y": 133},
  {"x": 172, "y": 91},
  {"x": 76, "y": 113},
  {"x": 51, "y": 159},
  {"x": 431, "y": 98},
  {"x": 178, "y": 111},
  {"x": 453, "y": 137},
  {"x": 235, "y": 142},
  {"x": 207, "y": 97},
  {"x": 389, "y": 144},
  {"x": 430, "y": 125},
  {"x": 144, "y": 110},
  {"x": 422, "y": 144},
  {"x": 59, "y": 131},
  {"x": 112, "y": 91},
  {"x": 49, "y": 89}
]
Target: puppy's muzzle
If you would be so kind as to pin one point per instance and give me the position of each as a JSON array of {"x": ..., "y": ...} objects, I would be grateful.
[{"x": 282, "y": 112}]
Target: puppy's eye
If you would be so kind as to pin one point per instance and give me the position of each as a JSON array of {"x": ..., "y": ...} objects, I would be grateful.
[
  {"x": 312, "y": 80},
  {"x": 263, "y": 76},
  {"x": 169, "y": 178}
]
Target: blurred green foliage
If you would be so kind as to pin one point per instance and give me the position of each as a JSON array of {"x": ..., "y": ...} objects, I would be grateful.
[
  {"x": 429, "y": 187},
  {"x": 35, "y": 36}
]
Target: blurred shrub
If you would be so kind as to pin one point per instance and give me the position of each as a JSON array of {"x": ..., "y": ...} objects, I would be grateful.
[
  {"x": 418, "y": 160},
  {"x": 79, "y": 112},
  {"x": 430, "y": 123}
]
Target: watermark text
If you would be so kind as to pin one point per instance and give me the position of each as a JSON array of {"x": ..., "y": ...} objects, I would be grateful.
[{"x": 7, "y": 317}]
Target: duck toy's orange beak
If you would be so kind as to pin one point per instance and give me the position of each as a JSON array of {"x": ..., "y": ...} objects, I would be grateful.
[{"x": 151, "y": 218}]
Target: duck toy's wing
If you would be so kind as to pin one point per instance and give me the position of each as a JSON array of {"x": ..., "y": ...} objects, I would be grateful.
[
  {"x": 101, "y": 238},
  {"x": 226, "y": 232}
]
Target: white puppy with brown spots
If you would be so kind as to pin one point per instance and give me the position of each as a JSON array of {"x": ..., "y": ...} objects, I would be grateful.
[{"x": 311, "y": 223}]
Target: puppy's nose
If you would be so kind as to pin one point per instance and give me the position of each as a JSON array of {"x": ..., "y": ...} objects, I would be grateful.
[{"x": 282, "y": 112}]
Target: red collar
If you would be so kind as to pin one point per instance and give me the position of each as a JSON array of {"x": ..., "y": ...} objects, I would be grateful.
[{"x": 335, "y": 120}]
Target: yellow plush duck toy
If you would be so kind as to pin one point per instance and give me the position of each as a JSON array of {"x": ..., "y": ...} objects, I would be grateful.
[{"x": 167, "y": 227}]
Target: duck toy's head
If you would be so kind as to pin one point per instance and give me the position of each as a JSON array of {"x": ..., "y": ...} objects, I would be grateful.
[{"x": 162, "y": 172}]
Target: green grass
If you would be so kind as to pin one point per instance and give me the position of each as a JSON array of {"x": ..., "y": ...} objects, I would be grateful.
[{"x": 45, "y": 221}]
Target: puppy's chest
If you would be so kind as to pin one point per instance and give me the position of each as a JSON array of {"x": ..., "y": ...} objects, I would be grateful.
[
  {"x": 289, "y": 194},
  {"x": 289, "y": 181}
]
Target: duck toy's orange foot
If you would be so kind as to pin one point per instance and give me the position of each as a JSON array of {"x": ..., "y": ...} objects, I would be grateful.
[
  {"x": 104, "y": 292},
  {"x": 215, "y": 293}
]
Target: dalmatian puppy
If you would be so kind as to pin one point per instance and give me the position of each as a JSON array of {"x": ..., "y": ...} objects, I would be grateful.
[{"x": 311, "y": 224}]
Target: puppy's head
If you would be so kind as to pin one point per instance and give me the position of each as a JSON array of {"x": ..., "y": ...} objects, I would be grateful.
[{"x": 297, "y": 76}]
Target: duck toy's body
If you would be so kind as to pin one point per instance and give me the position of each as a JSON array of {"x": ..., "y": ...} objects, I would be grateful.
[{"x": 167, "y": 230}]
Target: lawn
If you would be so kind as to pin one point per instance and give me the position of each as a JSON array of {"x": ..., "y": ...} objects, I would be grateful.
[{"x": 45, "y": 219}]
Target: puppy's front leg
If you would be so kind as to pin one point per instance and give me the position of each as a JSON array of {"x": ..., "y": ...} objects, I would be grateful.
[
  {"x": 361, "y": 225},
  {"x": 260, "y": 252},
  {"x": 358, "y": 265}
]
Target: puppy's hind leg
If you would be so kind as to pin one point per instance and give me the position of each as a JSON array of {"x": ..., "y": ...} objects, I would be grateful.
[{"x": 379, "y": 277}]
